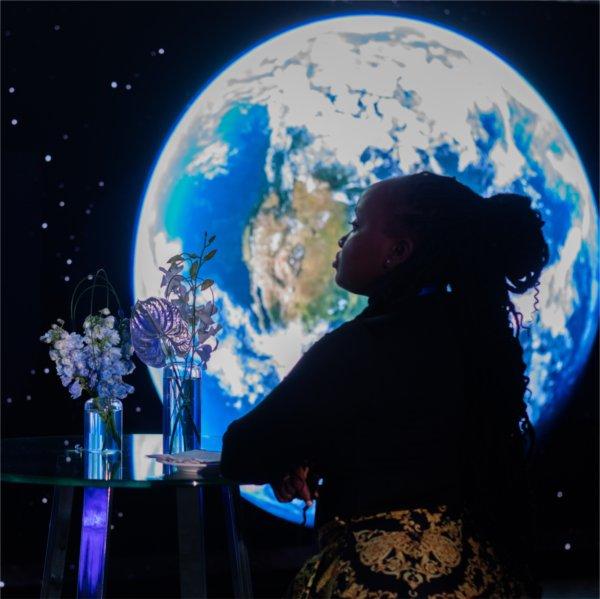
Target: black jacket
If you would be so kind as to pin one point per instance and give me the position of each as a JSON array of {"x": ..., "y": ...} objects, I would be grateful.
[{"x": 375, "y": 406}]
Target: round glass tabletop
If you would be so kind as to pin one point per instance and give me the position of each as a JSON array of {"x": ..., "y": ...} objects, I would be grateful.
[{"x": 60, "y": 461}]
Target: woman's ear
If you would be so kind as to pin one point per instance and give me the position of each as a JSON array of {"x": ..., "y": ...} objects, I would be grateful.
[{"x": 401, "y": 251}]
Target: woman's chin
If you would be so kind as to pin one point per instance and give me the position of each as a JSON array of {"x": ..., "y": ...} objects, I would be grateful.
[
  {"x": 337, "y": 278},
  {"x": 339, "y": 281}
]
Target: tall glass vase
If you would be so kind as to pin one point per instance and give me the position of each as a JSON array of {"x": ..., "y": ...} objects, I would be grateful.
[
  {"x": 102, "y": 425},
  {"x": 181, "y": 407}
]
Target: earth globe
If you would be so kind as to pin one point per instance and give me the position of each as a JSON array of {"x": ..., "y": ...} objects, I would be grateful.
[{"x": 274, "y": 152}]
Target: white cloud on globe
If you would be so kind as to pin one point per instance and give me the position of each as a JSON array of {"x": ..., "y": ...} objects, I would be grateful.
[{"x": 211, "y": 161}]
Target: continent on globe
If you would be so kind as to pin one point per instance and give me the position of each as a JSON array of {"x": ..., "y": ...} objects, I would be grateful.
[{"x": 288, "y": 248}]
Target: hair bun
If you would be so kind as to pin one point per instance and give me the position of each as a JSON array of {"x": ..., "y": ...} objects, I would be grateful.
[{"x": 513, "y": 231}]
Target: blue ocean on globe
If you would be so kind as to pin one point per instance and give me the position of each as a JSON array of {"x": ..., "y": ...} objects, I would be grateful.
[{"x": 272, "y": 155}]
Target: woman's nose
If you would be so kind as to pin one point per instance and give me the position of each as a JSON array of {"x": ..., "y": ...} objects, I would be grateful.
[{"x": 341, "y": 240}]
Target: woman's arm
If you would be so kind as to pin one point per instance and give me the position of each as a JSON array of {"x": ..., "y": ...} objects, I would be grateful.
[{"x": 300, "y": 420}]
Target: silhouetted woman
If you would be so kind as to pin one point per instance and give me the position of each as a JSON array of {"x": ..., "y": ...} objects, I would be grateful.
[{"x": 413, "y": 414}]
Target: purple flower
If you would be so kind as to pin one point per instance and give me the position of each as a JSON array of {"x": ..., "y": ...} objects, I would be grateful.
[
  {"x": 204, "y": 352},
  {"x": 157, "y": 326},
  {"x": 171, "y": 278}
]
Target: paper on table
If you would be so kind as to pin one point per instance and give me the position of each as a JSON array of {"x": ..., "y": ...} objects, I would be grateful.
[{"x": 195, "y": 457}]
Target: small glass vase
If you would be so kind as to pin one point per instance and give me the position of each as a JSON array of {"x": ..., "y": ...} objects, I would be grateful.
[
  {"x": 103, "y": 425},
  {"x": 181, "y": 407},
  {"x": 102, "y": 466}
]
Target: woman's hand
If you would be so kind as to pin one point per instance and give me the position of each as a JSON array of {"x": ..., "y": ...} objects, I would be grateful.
[{"x": 296, "y": 484}]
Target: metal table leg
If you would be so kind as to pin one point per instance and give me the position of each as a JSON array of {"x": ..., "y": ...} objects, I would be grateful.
[
  {"x": 192, "y": 557},
  {"x": 93, "y": 546},
  {"x": 58, "y": 539},
  {"x": 238, "y": 553}
]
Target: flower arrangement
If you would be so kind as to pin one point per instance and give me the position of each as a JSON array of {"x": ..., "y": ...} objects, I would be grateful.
[
  {"x": 95, "y": 362},
  {"x": 172, "y": 332}
]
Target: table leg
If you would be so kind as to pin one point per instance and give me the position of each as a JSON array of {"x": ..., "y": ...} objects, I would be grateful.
[
  {"x": 192, "y": 557},
  {"x": 238, "y": 553},
  {"x": 58, "y": 539},
  {"x": 93, "y": 546}
]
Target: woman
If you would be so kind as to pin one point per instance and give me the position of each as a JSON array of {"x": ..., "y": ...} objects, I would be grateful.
[{"x": 413, "y": 413}]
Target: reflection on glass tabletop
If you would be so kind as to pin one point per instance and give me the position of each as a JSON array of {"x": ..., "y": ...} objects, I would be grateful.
[{"x": 60, "y": 461}]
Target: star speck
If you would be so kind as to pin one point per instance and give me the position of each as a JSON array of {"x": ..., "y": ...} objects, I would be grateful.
[
  {"x": 161, "y": 51},
  {"x": 14, "y": 122},
  {"x": 69, "y": 261},
  {"x": 65, "y": 136},
  {"x": 47, "y": 158},
  {"x": 44, "y": 225},
  {"x": 44, "y": 500},
  {"x": 567, "y": 546},
  {"x": 113, "y": 84},
  {"x": 46, "y": 370},
  {"x": 11, "y": 90}
]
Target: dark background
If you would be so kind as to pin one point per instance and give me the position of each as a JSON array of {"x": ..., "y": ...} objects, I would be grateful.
[{"x": 104, "y": 142}]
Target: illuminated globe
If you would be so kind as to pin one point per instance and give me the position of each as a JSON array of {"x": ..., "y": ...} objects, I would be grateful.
[{"x": 271, "y": 156}]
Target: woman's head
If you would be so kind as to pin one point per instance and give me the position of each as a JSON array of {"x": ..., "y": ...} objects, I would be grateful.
[
  {"x": 423, "y": 229},
  {"x": 369, "y": 252}
]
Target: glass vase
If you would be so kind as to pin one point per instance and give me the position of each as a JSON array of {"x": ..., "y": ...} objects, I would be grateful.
[
  {"x": 102, "y": 466},
  {"x": 181, "y": 407},
  {"x": 102, "y": 425}
]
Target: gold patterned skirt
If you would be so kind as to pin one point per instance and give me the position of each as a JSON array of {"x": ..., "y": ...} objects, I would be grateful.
[{"x": 411, "y": 553}]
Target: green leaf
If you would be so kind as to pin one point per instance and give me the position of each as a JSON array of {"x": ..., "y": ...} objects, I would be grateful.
[
  {"x": 206, "y": 284},
  {"x": 177, "y": 258},
  {"x": 213, "y": 237},
  {"x": 210, "y": 255},
  {"x": 194, "y": 269}
]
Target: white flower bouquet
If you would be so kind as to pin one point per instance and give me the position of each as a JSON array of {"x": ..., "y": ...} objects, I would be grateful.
[{"x": 95, "y": 362}]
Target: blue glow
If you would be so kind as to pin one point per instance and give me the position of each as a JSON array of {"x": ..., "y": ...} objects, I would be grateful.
[{"x": 225, "y": 201}]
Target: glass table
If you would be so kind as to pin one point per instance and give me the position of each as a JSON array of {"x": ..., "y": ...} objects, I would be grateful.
[{"x": 59, "y": 461}]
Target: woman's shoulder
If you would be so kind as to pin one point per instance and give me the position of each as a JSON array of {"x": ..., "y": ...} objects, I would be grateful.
[{"x": 351, "y": 335}]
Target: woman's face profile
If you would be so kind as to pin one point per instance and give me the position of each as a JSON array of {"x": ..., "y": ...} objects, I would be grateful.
[{"x": 361, "y": 262}]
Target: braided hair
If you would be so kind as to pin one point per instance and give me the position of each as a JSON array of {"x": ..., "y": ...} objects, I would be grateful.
[{"x": 482, "y": 249}]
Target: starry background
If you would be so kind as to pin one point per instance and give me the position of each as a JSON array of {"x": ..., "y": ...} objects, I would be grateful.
[{"x": 90, "y": 92}]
